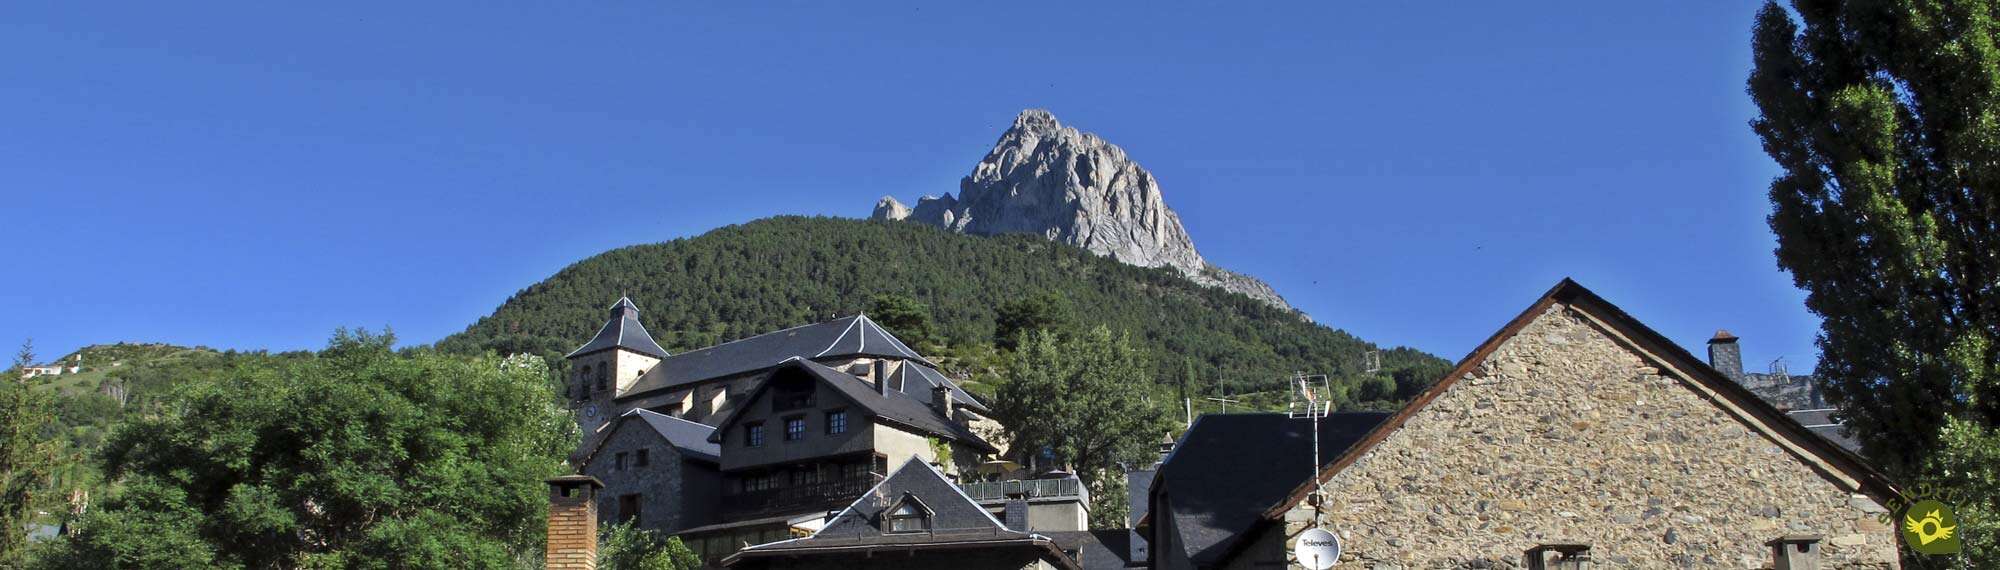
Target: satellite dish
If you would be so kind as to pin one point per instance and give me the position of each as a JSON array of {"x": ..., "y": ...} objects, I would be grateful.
[{"x": 1317, "y": 549}]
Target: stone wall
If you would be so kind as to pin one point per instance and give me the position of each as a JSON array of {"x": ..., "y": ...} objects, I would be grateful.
[
  {"x": 1564, "y": 434},
  {"x": 666, "y": 502}
]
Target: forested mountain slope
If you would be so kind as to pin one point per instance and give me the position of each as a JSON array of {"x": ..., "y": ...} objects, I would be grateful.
[{"x": 770, "y": 274}]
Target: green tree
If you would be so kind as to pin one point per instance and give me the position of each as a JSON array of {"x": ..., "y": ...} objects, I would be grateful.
[
  {"x": 627, "y": 547},
  {"x": 905, "y": 317},
  {"x": 1015, "y": 320},
  {"x": 354, "y": 457},
  {"x": 28, "y": 454},
  {"x": 1884, "y": 117},
  {"x": 1082, "y": 402}
]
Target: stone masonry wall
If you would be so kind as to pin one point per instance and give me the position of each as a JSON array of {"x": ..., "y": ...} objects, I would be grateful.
[{"x": 1565, "y": 435}]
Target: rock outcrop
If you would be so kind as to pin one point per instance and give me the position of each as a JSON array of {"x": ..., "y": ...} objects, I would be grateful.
[{"x": 1073, "y": 187}]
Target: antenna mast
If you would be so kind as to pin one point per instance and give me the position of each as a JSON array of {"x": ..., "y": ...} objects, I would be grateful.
[
  {"x": 1310, "y": 400},
  {"x": 1225, "y": 400}
]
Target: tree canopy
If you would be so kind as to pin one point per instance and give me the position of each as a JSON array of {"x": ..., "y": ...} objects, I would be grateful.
[
  {"x": 354, "y": 457},
  {"x": 1080, "y": 402},
  {"x": 775, "y": 273},
  {"x": 1885, "y": 120}
]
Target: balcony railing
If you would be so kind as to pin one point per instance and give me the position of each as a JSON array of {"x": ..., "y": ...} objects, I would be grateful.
[
  {"x": 827, "y": 495},
  {"x": 1024, "y": 488}
]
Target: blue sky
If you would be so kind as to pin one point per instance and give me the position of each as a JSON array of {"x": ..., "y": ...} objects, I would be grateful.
[{"x": 254, "y": 175}]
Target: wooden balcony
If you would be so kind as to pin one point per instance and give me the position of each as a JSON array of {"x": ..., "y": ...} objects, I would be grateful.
[{"x": 828, "y": 496}]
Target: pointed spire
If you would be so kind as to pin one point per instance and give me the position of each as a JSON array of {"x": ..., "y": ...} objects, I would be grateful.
[{"x": 622, "y": 330}]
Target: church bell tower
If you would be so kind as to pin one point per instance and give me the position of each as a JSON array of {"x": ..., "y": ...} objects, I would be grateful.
[{"x": 602, "y": 369}]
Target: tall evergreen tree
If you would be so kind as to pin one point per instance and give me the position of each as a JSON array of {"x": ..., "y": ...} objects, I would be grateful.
[
  {"x": 1885, "y": 118},
  {"x": 28, "y": 455}
]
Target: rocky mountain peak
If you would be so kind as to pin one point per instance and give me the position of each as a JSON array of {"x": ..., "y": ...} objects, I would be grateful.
[{"x": 1048, "y": 179}]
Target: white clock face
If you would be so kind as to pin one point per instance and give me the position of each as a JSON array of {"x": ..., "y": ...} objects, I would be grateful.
[{"x": 590, "y": 411}]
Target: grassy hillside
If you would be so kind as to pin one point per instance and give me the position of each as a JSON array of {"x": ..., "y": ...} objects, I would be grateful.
[{"x": 774, "y": 273}]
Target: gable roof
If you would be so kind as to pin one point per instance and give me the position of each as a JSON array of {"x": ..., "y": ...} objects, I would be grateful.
[
  {"x": 1824, "y": 456},
  {"x": 839, "y": 338},
  {"x": 689, "y": 437},
  {"x": 894, "y": 408},
  {"x": 957, "y": 522},
  {"x": 1228, "y": 468},
  {"x": 623, "y": 330}
]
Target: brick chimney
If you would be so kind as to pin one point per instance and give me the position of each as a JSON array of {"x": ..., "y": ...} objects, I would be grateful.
[
  {"x": 573, "y": 522},
  {"x": 1725, "y": 357},
  {"x": 1795, "y": 552}
]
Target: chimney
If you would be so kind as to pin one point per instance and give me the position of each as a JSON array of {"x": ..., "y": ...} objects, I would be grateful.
[
  {"x": 882, "y": 384},
  {"x": 1725, "y": 357},
  {"x": 1015, "y": 515},
  {"x": 1795, "y": 552},
  {"x": 573, "y": 522},
  {"x": 941, "y": 397}
]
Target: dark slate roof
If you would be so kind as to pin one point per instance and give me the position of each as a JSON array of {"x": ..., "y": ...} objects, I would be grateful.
[
  {"x": 1821, "y": 422},
  {"x": 1229, "y": 468},
  {"x": 689, "y": 437},
  {"x": 844, "y": 337},
  {"x": 956, "y": 522},
  {"x": 895, "y": 407},
  {"x": 622, "y": 331},
  {"x": 918, "y": 380},
  {"x": 1138, "y": 494},
  {"x": 1106, "y": 549}
]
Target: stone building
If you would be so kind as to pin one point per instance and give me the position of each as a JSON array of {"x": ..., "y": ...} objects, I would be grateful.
[
  {"x": 755, "y": 440},
  {"x": 1797, "y": 395},
  {"x": 1577, "y": 432},
  {"x": 662, "y": 471}
]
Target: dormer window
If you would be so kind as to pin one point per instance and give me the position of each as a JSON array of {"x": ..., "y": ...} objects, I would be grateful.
[{"x": 909, "y": 515}]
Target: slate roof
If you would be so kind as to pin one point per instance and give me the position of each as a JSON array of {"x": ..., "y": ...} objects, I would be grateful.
[
  {"x": 956, "y": 523},
  {"x": 1106, "y": 549},
  {"x": 1228, "y": 468},
  {"x": 844, "y": 337},
  {"x": 918, "y": 380},
  {"x": 623, "y": 330},
  {"x": 689, "y": 437},
  {"x": 895, "y": 407},
  {"x": 1821, "y": 422}
]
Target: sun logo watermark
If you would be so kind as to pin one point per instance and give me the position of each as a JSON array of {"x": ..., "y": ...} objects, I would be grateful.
[{"x": 1929, "y": 527}]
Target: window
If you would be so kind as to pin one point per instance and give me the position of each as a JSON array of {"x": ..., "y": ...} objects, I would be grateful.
[
  {"x": 760, "y": 482},
  {"x": 753, "y": 435},
  {"x": 795, "y": 428},
  {"x": 909, "y": 516},
  {"x": 602, "y": 374},
  {"x": 618, "y": 464},
  {"x": 809, "y": 475},
  {"x": 837, "y": 423},
  {"x": 854, "y": 471},
  {"x": 639, "y": 458},
  {"x": 628, "y": 508}
]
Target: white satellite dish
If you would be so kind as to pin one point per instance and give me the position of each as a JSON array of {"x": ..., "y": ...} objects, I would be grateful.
[{"x": 1317, "y": 549}]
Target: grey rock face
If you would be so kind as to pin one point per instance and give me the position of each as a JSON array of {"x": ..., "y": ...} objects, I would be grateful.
[{"x": 1069, "y": 186}]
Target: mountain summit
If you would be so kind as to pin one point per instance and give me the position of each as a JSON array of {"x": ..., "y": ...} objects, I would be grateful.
[{"x": 1047, "y": 179}]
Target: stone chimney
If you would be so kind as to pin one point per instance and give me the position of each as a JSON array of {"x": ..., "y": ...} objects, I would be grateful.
[
  {"x": 941, "y": 398},
  {"x": 1725, "y": 357},
  {"x": 1795, "y": 552},
  {"x": 573, "y": 522},
  {"x": 1015, "y": 514}
]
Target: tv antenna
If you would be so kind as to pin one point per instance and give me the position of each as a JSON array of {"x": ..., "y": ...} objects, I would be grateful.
[
  {"x": 1225, "y": 400},
  {"x": 1371, "y": 361},
  {"x": 1310, "y": 400},
  {"x": 1778, "y": 370}
]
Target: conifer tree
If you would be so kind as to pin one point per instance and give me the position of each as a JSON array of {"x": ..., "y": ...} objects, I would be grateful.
[{"x": 1884, "y": 117}]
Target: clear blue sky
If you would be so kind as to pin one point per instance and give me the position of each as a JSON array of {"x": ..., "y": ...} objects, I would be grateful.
[{"x": 257, "y": 174}]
